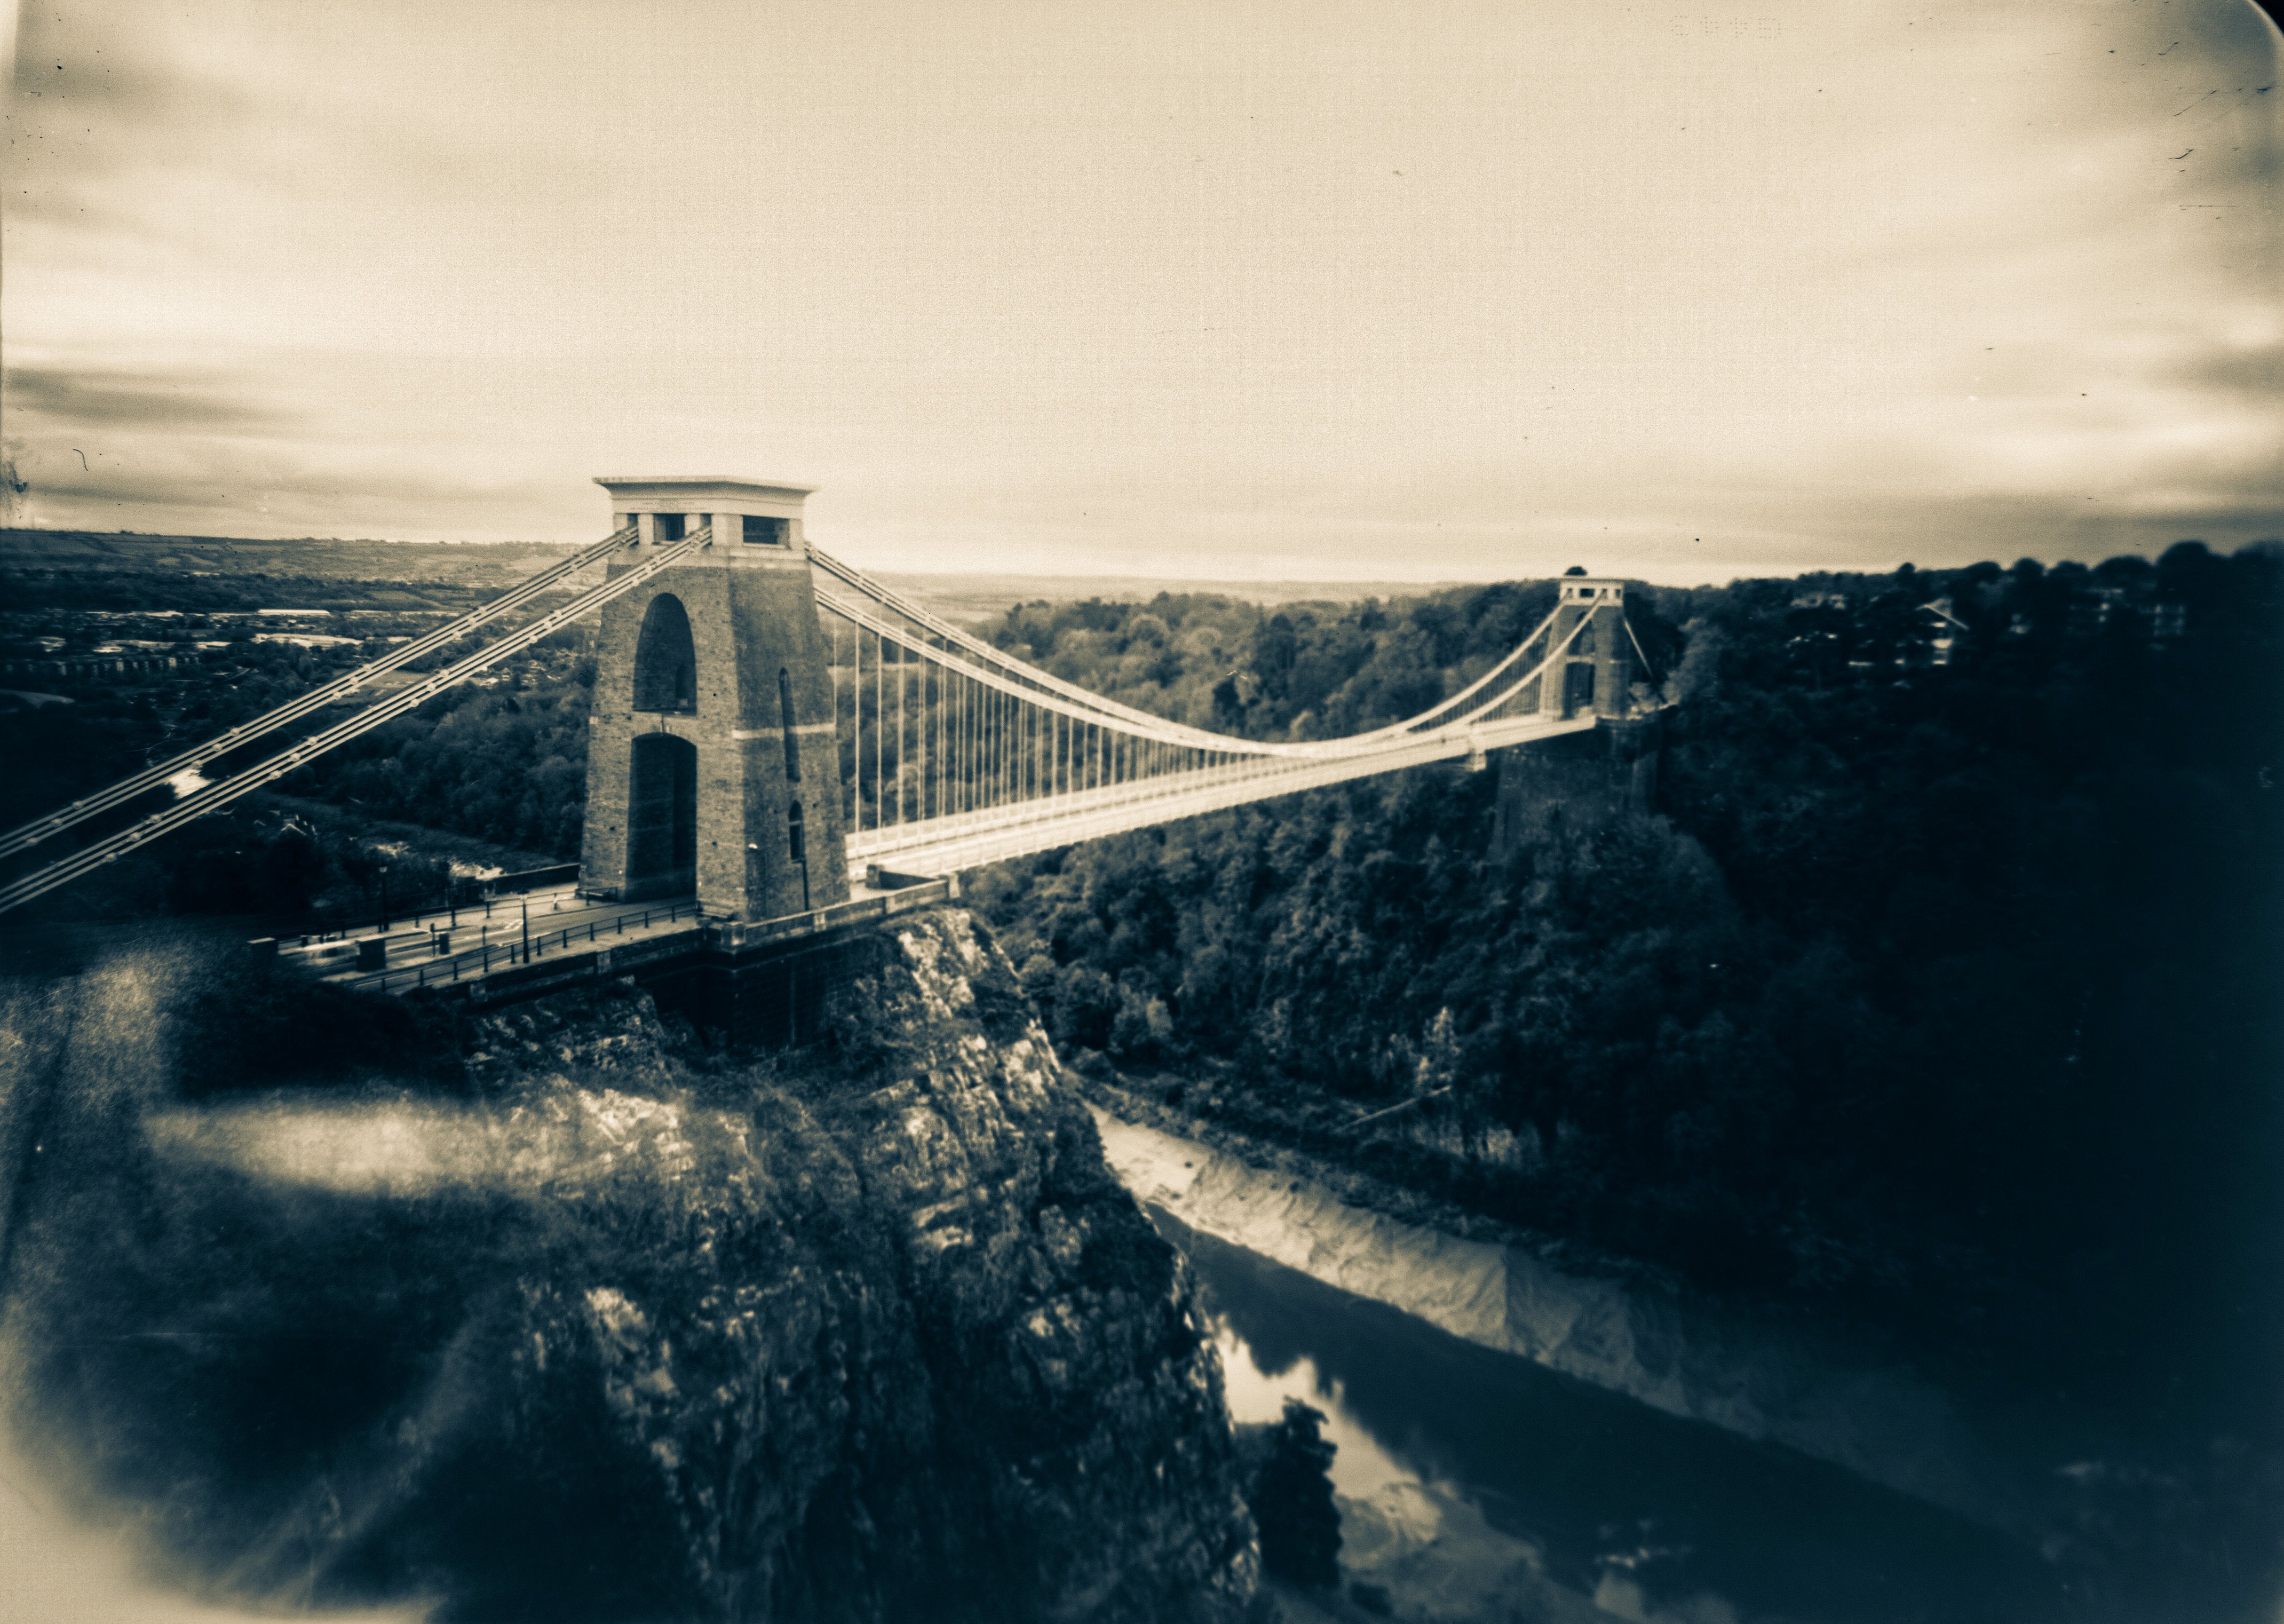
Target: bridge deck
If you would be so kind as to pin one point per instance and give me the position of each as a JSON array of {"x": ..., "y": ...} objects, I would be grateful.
[
  {"x": 451, "y": 947},
  {"x": 946, "y": 845},
  {"x": 446, "y": 946}
]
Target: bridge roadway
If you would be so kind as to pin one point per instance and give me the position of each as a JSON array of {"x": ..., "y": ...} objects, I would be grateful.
[
  {"x": 446, "y": 946},
  {"x": 949, "y": 844}
]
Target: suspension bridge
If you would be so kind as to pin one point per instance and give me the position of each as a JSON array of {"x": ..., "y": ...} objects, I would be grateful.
[{"x": 778, "y": 739}]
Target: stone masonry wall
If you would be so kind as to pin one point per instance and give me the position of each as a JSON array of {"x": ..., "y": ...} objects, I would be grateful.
[{"x": 748, "y": 618}]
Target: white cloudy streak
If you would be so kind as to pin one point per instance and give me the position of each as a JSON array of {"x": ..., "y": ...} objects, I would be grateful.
[{"x": 1233, "y": 289}]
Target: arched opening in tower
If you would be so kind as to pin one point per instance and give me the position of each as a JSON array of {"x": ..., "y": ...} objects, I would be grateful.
[
  {"x": 666, "y": 661},
  {"x": 662, "y": 817},
  {"x": 1578, "y": 688}
]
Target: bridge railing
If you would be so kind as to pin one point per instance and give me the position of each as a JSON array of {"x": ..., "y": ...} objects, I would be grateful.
[
  {"x": 462, "y": 893},
  {"x": 922, "y": 846},
  {"x": 447, "y": 965},
  {"x": 734, "y": 934},
  {"x": 531, "y": 879}
]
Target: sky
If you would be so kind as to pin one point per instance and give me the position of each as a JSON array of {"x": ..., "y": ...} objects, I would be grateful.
[{"x": 1248, "y": 289}]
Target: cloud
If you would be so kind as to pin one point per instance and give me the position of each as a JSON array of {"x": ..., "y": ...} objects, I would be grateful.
[
  {"x": 1155, "y": 285},
  {"x": 2253, "y": 370},
  {"x": 91, "y": 90},
  {"x": 286, "y": 489},
  {"x": 72, "y": 399},
  {"x": 99, "y": 68}
]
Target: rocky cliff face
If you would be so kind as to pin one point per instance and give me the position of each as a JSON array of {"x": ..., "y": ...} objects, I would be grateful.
[{"x": 628, "y": 1331}]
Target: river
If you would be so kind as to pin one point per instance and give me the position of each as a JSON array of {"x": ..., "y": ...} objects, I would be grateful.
[{"x": 1476, "y": 1484}]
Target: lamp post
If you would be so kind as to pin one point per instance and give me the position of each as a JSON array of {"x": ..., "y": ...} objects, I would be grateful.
[{"x": 384, "y": 896}]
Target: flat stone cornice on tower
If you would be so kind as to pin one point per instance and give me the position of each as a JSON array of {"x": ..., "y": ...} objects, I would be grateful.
[{"x": 693, "y": 492}]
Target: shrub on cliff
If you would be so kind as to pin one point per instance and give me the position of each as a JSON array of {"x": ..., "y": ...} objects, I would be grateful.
[{"x": 1288, "y": 1486}]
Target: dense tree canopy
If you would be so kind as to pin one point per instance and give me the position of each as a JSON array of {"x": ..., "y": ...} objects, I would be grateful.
[
  {"x": 506, "y": 764},
  {"x": 1945, "y": 986}
]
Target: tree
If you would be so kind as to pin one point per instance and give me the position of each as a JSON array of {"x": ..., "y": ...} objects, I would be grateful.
[{"x": 1287, "y": 1468}]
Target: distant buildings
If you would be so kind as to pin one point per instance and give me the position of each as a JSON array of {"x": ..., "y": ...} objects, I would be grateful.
[
  {"x": 1865, "y": 633},
  {"x": 2091, "y": 610},
  {"x": 1944, "y": 631},
  {"x": 306, "y": 640}
]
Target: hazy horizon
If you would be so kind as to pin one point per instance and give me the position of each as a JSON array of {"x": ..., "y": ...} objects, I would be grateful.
[{"x": 978, "y": 578}]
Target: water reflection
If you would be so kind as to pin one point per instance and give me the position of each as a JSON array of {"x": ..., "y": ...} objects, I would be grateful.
[
  {"x": 1363, "y": 1468},
  {"x": 1652, "y": 1517}
]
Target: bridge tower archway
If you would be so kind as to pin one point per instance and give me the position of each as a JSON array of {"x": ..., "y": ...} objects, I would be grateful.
[
  {"x": 707, "y": 678},
  {"x": 666, "y": 658},
  {"x": 661, "y": 817}
]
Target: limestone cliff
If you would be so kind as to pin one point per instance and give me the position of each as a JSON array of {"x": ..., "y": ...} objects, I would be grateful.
[{"x": 626, "y": 1330}]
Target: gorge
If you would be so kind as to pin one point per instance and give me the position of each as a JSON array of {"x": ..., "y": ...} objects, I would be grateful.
[{"x": 604, "y": 1326}]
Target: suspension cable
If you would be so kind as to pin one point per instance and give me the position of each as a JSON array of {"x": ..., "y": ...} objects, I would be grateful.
[
  {"x": 29, "y": 835},
  {"x": 1144, "y": 720},
  {"x": 1353, "y": 744},
  {"x": 220, "y": 794}
]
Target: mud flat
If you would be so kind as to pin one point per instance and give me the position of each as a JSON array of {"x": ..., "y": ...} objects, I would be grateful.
[{"x": 1883, "y": 1424}]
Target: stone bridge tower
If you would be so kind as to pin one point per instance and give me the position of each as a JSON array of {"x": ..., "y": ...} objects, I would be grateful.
[
  {"x": 1596, "y": 673},
  {"x": 713, "y": 761},
  {"x": 1580, "y": 780}
]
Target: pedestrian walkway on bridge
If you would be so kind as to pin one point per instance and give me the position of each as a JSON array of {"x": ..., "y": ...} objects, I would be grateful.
[
  {"x": 455, "y": 946},
  {"x": 465, "y": 944}
]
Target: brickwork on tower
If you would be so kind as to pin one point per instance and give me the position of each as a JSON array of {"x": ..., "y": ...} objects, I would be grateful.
[
  {"x": 1596, "y": 673},
  {"x": 713, "y": 762}
]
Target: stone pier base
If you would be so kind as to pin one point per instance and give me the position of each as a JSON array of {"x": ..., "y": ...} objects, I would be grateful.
[{"x": 1576, "y": 781}]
